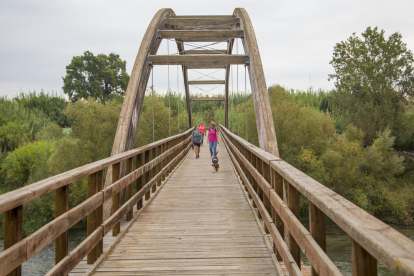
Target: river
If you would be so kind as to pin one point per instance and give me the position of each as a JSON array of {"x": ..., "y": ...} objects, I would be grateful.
[{"x": 338, "y": 248}]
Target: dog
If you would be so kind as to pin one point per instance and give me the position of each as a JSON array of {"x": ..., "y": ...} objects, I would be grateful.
[{"x": 215, "y": 164}]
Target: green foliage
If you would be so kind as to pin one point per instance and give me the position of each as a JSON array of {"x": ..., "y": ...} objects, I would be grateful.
[
  {"x": 374, "y": 78},
  {"x": 317, "y": 99},
  {"x": 298, "y": 126},
  {"x": 51, "y": 106},
  {"x": 102, "y": 77},
  {"x": 18, "y": 124},
  {"x": 91, "y": 136},
  {"x": 24, "y": 161},
  {"x": 366, "y": 176}
]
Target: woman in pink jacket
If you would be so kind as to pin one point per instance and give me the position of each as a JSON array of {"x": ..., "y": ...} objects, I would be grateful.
[{"x": 213, "y": 138}]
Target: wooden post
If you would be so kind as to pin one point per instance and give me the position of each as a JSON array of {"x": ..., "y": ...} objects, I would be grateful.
[
  {"x": 254, "y": 184},
  {"x": 168, "y": 159},
  {"x": 176, "y": 153},
  {"x": 180, "y": 149},
  {"x": 159, "y": 152},
  {"x": 94, "y": 219},
  {"x": 13, "y": 232},
  {"x": 116, "y": 169},
  {"x": 164, "y": 149},
  {"x": 317, "y": 228},
  {"x": 362, "y": 262},
  {"x": 277, "y": 180},
  {"x": 129, "y": 189},
  {"x": 100, "y": 211},
  {"x": 294, "y": 206},
  {"x": 139, "y": 180},
  {"x": 147, "y": 174},
  {"x": 250, "y": 176},
  {"x": 259, "y": 191},
  {"x": 154, "y": 170},
  {"x": 61, "y": 207}
]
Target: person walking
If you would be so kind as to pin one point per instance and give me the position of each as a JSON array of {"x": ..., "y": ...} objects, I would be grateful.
[
  {"x": 203, "y": 129},
  {"x": 212, "y": 139},
  {"x": 197, "y": 141}
]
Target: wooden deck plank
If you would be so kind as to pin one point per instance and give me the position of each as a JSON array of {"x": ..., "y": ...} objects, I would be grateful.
[{"x": 200, "y": 223}]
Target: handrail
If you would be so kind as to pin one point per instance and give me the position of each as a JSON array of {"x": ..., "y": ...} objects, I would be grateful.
[
  {"x": 372, "y": 239},
  {"x": 166, "y": 153}
]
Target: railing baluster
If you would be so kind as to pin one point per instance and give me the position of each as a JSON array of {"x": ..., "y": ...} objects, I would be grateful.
[
  {"x": 94, "y": 219},
  {"x": 250, "y": 176},
  {"x": 13, "y": 232},
  {"x": 61, "y": 207},
  {"x": 139, "y": 180},
  {"x": 254, "y": 183},
  {"x": 167, "y": 159},
  {"x": 159, "y": 152},
  {"x": 266, "y": 201},
  {"x": 129, "y": 189},
  {"x": 294, "y": 205},
  {"x": 317, "y": 228},
  {"x": 175, "y": 154},
  {"x": 277, "y": 183},
  {"x": 154, "y": 170},
  {"x": 363, "y": 264},
  {"x": 147, "y": 175},
  {"x": 116, "y": 170},
  {"x": 164, "y": 149},
  {"x": 258, "y": 166}
]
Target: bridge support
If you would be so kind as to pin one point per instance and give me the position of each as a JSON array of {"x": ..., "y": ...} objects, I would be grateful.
[
  {"x": 95, "y": 218},
  {"x": 264, "y": 120},
  {"x": 61, "y": 207},
  {"x": 13, "y": 232},
  {"x": 363, "y": 264}
]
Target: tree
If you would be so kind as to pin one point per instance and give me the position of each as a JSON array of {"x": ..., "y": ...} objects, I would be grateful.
[
  {"x": 101, "y": 77},
  {"x": 374, "y": 79},
  {"x": 52, "y": 106}
]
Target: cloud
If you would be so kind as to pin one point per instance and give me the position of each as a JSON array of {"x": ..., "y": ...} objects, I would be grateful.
[{"x": 296, "y": 38}]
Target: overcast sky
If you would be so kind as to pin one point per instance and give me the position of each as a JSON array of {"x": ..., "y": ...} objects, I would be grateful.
[{"x": 296, "y": 38}]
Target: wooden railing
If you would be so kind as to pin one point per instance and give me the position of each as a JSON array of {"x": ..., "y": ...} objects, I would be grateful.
[
  {"x": 155, "y": 161},
  {"x": 267, "y": 178}
]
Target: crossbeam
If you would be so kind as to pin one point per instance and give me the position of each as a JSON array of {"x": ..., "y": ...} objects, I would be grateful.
[
  {"x": 207, "y": 99},
  {"x": 204, "y": 16},
  {"x": 206, "y": 21},
  {"x": 206, "y": 52},
  {"x": 200, "y": 35},
  {"x": 206, "y": 82},
  {"x": 199, "y": 61}
]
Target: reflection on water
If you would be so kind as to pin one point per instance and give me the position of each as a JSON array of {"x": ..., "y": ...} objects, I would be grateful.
[
  {"x": 44, "y": 261},
  {"x": 338, "y": 245},
  {"x": 338, "y": 249}
]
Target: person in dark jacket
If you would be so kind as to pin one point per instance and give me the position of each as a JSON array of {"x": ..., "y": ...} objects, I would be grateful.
[{"x": 197, "y": 136}]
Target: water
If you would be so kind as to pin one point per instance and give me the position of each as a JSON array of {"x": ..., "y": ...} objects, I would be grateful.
[
  {"x": 338, "y": 249},
  {"x": 44, "y": 261},
  {"x": 338, "y": 245}
]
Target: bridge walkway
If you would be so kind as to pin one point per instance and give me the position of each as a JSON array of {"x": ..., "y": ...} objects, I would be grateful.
[{"x": 199, "y": 223}]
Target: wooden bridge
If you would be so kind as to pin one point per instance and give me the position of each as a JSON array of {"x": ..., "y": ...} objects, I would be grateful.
[{"x": 174, "y": 215}]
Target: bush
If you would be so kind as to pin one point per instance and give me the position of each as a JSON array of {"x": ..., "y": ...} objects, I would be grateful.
[{"x": 24, "y": 161}]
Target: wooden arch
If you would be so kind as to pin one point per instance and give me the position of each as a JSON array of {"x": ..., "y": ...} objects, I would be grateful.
[{"x": 166, "y": 24}]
